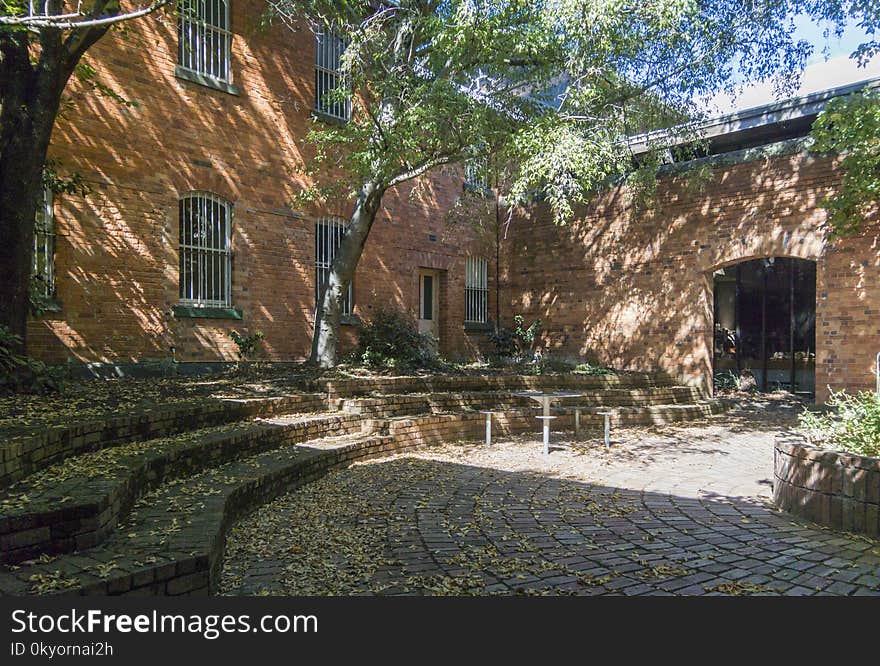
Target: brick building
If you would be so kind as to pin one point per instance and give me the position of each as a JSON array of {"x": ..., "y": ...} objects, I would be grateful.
[
  {"x": 730, "y": 273},
  {"x": 218, "y": 139},
  {"x": 188, "y": 234}
]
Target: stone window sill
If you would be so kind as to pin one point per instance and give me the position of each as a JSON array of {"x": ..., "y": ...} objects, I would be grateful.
[
  {"x": 207, "y": 81},
  {"x": 478, "y": 326},
  {"x": 195, "y": 312},
  {"x": 350, "y": 320}
]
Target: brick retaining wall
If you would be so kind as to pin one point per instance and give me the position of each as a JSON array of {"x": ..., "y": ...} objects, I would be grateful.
[{"x": 837, "y": 490}]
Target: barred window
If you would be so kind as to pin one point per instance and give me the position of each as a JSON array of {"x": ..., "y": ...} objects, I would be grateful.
[
  {"x": 476, "y": 290},
  {"x": 44, "y": 247},
  {"x": 204, "y": 38},
  {"x": 328, "y": 237},
  {"x": 329, "y": 48},
  {"x": 205, "y": 251},
  {"x": 476, "y": 175}
]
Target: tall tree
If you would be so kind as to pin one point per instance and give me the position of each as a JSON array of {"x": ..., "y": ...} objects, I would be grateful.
[
  {"x": 554, "y": 86},
  {"x": 41, "y": 46}
]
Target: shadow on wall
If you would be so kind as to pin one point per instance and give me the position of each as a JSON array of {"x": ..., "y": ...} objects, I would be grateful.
[
  {"x": 117, "y": 259},
  {"x": 634, "y": 290}
]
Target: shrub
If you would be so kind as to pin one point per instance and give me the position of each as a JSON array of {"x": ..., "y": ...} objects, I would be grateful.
[
  {"x": 594, "y": 369},
  {"x": 729, "y": 382},
  {"x": 22, "y": 374},
  {"x": 247, "y": 344},
  {"x": 514, "y": 343},
  {"x": 852, "y": 425},
  {"x": 391, "y": 339}
]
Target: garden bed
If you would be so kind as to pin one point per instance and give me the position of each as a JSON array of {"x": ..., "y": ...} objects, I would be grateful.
[{"x": 830, "y": 488}]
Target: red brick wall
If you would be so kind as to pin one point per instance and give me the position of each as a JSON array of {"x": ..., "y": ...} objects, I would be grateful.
[
  {"x": 635, "y": 289},
  {"x": 117, "y": 247}
]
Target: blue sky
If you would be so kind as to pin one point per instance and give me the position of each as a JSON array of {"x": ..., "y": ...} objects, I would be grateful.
[{"x": 830, "y": 66}]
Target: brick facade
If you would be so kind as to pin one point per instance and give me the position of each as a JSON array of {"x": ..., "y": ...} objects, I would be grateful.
[
  {"x": 635, "y": 290},
  {"x": 117, "y": 256},
  {"x": 630, "y": 289}
]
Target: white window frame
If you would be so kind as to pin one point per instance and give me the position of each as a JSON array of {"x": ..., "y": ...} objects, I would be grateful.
[
  {"x": 329, "y": 48},
  {"x": 211, "y": 253},
  {"x": 205, "y": 39},
  {"x": 476, "y": 290},
  {"x": 44, "y": 245},
  {"x": 328, "y": 236}
]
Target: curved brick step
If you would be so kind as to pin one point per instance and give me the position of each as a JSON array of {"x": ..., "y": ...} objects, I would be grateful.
[
  {"x": 172, "y": 542},
  {"x": 32, "y": 449},
  {"x": 343, "y": 388},
  {"x": 77, "y": 503},
  {"x": 652, "y": 414},
  {"x": 394, "y": 405}
]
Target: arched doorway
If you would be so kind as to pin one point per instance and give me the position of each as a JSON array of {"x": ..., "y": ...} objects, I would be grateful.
[{"x": 765, "y": 323}]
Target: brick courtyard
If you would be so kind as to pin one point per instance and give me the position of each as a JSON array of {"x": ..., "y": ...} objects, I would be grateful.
[{"x": 678, "y": 509}]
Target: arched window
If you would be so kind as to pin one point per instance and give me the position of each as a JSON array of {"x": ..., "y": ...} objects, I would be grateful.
[
  {"x": 204, "y": 38},
  {"x": 44, "y": 247},
  {"x": 476, "y": 290},
  {"x": 205, "y": 251},
  {"x": 328, "y": 237}
]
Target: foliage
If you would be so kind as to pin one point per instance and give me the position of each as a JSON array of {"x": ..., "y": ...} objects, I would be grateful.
[
  {"x": 853, "y": 425},
  {"x": 594, "y": 369},
  {"x": 548, "y": 88},
  {"x": 850, "y": 127},
  {"x": 515, "y": 343},
  {"x": 391, "y": 339},
  {"x": 730, "y": 382},
  {"x": 19, "y": 373},
  {"x": 248, "y": 345}
]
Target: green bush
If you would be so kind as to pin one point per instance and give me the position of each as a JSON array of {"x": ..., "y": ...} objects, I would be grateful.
[
  {"x": 515, "y": 343},
  {"x": 248, "y": 345},
  {"x": 852, "y": 425},
  {"x": 594, "y": 369},
  {"x": 22, "y": 374},
  {"x": 391, "y": 339}
]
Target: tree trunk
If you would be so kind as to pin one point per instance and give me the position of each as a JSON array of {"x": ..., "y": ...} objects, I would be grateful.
[
  {"x": 30, "y": 96},
  {"x": 328, "y": 313}
]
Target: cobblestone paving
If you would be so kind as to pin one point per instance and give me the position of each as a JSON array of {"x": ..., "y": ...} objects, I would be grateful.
[{"x": 669, "y": 510}]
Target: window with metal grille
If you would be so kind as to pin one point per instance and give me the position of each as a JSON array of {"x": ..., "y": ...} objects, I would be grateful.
[
  {"x": 476, "y": 290},
  {"x": 205, "y": 251},
  {"x": 44, "y": 247},
  {"x": 328, "y": 237},
  {"x": 476, "y": 175},
  {"x": 329, "y": 47},
  {"x": 204, "y": 38}
]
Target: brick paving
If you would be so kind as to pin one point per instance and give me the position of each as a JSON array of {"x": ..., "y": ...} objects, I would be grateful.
[{"x": 678, "y": 510}]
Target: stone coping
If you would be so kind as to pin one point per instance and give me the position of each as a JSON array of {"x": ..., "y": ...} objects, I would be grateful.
[{"x": 835, "y": 489}]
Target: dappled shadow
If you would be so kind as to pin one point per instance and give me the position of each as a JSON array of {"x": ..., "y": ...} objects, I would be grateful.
[
  {"x": 430, "y": 524},
  {"x": 634, "y": 289},
  {"x": 117, "y": 259}
]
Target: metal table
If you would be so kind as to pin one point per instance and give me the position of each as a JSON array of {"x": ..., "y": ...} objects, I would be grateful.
[{"x": 545, "y": 400}]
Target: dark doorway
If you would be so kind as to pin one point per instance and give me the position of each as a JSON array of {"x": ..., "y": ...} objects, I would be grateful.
[{"x": 765, "y": 323}]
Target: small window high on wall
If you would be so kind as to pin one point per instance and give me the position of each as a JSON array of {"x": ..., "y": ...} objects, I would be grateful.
[
  {"x": 205, "y": 251},
  {"x": 476, "y": 290},
  {"x": 329, "y": 48},
  {"x": 204, "y": 38},
  {"x": 44, "y": 247},
  {"x": 328, "y": 237}
]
